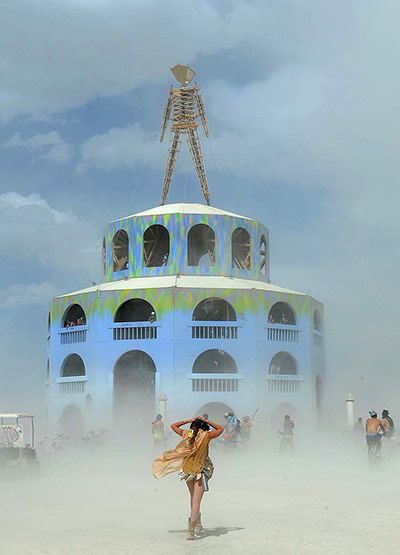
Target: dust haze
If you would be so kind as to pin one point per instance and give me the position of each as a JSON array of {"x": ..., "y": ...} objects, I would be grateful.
[{"x": 98, "y": 496}]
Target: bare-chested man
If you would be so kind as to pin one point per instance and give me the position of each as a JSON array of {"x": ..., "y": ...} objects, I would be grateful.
[
  {"x": 374, "y": 431},
  {"x": 387, "y": 424}
]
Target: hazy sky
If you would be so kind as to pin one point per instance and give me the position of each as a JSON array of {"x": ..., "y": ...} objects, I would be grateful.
[{"x": 302, "y": 99}]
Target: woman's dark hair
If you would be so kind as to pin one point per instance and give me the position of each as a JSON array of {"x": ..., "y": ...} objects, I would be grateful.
[{"x": 199, "y": 424}]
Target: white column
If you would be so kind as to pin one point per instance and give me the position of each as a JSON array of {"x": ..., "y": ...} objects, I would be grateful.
[
  {"x": 162, "y": 407},
  {"x": 350, "y": 411}
]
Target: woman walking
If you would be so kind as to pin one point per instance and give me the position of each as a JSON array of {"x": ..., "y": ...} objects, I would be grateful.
[
  {"x": 157, "y": 429},
  {"x": 190, "y": 456}
]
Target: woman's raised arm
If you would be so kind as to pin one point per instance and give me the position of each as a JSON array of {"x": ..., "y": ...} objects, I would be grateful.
[
  {"x": 177, "y": 426},
  {"x": 217, "y": 430}
]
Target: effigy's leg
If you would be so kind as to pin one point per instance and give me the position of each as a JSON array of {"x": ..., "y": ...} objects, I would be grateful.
[
  {"x": 195, "y": 149},
  {"x": 172, "y": 156}
]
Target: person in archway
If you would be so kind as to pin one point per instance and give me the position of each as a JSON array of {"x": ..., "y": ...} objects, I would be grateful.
[
  {"x": 190, "y": 456},
  {"x": 287, "y": 433},
  {"x": 157, "y": 429}
]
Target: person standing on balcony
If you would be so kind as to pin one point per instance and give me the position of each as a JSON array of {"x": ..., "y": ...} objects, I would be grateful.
[{"x": 190, "y": 456}]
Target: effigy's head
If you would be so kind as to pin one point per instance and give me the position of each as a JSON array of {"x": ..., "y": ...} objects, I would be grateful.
[{"x": 183, "y": 74}]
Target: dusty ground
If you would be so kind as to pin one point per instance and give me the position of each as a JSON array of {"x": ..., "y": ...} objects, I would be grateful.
[{"x": 323, "y": 500}]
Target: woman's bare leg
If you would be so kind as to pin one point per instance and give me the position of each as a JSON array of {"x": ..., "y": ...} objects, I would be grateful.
[
  {"x": 190, "y": 485},
  {"x": 198, "y": 491}
]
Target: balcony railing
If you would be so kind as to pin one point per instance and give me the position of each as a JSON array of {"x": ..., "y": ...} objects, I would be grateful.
[
  {"x": 75, "y": 334},
  {"x": 281, "y": 383},
  {"x": 283, "y": 333},
  {"x": 214, "y": 330},
  {"x": 135, "y": 330},
  {"x": 73, "y": 385},
  {"x": 215, "y": 382}
]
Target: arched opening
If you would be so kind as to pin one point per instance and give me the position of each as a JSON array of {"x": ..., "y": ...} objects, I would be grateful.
[
  {"x": 215, "y": 412},
  {"x": 241, "y": 249},
  {"x": 263, "y": 256},
  {"x": 120, "y": 251},
  {"x": 318, "y": 397},
  {"x": 73, "y": 366},
  {"x": 155, "y": 246},
  {"x": 214, "y": 361},
  {"x": 134, "y": 389},
  {"x": 201, "y": 246},
  {"x": 71, "y": 422},
  {"x": 104, "y": 256},
  {"x": 282, "y": 313},
  {"x": 283, "y": 363},
  {"x": 317, "y": 320},
  {"x": 74, "y": 316},
  {"x": 214, "y": 310},
  {"x": 135, "y": 310}
]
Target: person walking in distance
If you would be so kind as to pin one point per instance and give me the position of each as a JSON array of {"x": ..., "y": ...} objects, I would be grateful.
[
  {"x": 157, "y": 429},
  {"x": 190, "y": 457}
]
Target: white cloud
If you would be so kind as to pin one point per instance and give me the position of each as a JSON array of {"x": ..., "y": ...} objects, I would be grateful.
[
  {"x": 58, "y": 55},
  {"x": 127, "y": 146},
  {"x": 21, "y": 294},
  {"x": 59, "y": 152},
  {"x": 31, "y": 229}
]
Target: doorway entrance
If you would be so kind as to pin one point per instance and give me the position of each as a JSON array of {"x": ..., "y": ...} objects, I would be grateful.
[{"x": 134, "y": 391}]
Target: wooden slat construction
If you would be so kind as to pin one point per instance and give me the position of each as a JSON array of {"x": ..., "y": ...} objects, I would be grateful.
[
  {"x": 134, "y": 331},
  {"x": 75, "y": 334},
  {"x": 220, "y": 384},
  {"x": 241, "y": 249},
  {"x": 72, "y": 388},
  {"x": 282, "y": 333},
  {"x": 284, "y": 384}
]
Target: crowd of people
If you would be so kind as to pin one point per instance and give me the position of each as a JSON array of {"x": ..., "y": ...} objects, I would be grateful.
[
  {"x": 81, "y": 321},
  {"x": 375, "y": 430}
]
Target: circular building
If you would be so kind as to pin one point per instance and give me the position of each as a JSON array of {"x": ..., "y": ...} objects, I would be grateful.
[{"x": 186, "y": 314}]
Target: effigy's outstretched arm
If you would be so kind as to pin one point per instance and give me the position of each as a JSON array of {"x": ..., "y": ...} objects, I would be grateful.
[
  {"x": 202, "y": 112},
  {"x": 195, "y": 149},
  {"x": 166, "y": 114},
  {"x": 172, "y": 156}
]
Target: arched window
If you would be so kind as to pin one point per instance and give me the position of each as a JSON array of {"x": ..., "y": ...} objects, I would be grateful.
[
  {"x": 282, "y": 313},
  {"x": 135, "y": 310},
  {"x": 120, "y": 251},
  {"x": 214, "y": 310},
  {"x": 201, "y": 246},
  {"x": 283, "y": 363},
  {"x": 155, "y": 246},
  {"x": 72, "y": 366},
  {"x": 263, "y": 256},
  {"x": 317, "y": 320},
  {"x": 104, "y": 256},
  {"x": 214, "y": 361},
  {"x": 74, "y": 316},
  {"x": 241, "y": 249}
]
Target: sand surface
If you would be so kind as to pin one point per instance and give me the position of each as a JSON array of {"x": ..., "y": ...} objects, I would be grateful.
[{"x": 322, "y": 499}]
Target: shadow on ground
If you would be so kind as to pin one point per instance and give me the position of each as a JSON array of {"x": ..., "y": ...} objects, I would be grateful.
[{"x": 207, "y": 532}]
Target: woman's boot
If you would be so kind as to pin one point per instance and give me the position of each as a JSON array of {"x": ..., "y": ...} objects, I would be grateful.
[
  {"x": 199, "y": 528},
  {"x": 191, "y": 527}
]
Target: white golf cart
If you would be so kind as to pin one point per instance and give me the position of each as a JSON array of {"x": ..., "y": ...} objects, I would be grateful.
[{"x": 17, "y": 444}]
